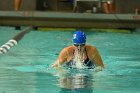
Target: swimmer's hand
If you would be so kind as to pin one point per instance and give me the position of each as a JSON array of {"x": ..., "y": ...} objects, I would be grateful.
[
  {"x": 60, "y": 71},
  {"x": 99, "y": 68},
  {"x": 57, "y": 68}
]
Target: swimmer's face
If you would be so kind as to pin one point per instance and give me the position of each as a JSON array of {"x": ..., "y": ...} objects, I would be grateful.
[{"x": 79, "y": 46}]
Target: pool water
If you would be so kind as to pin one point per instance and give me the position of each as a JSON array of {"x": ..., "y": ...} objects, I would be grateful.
[{"x": 24, "y": 68}]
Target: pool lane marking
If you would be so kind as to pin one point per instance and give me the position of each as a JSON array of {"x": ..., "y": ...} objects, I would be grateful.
[{"x": 14, "y": 41}]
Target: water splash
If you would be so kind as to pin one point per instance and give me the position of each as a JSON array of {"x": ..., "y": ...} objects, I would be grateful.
[{"x": 79, "y": 59}]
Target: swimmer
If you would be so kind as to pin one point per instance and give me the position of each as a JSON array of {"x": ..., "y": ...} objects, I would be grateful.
[{"x": 79, "y": 55}]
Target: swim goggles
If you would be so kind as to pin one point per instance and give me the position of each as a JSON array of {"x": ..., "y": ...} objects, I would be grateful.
[{"x": 81, "y": 45}]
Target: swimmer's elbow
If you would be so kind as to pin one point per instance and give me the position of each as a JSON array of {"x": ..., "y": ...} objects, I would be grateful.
[
  {"x": 99, "y": 68},
  {"x": 102, "y": 66}
]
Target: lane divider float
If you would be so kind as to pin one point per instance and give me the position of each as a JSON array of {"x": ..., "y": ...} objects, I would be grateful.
[{"x": 14, "y": 41}]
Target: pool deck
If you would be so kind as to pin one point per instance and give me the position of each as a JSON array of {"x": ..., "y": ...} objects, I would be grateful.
[{"x": 68, "y": 20}]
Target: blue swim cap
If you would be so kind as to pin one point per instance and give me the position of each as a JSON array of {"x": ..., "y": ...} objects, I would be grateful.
[{"x": 79, "y": 37}]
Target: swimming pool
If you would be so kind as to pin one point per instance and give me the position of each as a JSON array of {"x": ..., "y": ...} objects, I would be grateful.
[{"x": 24, "y": 68}]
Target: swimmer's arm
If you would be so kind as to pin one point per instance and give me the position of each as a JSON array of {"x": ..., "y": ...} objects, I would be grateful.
[
  {"x": 60, "y": 60},
  {"x": 97, "y": 59},
  {"x": 57, "y": 67}
]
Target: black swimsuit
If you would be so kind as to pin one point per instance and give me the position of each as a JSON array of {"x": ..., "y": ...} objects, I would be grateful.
[{"x": 87, "y": 62}]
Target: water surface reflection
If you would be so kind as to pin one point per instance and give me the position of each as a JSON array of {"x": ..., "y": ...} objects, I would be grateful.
[{"x": 76, "y": 83}]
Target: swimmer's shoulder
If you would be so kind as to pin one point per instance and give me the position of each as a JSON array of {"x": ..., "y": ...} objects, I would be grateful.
[
  {"x": 90, "y": 47},
  {"x": 68, "y": 48}
]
